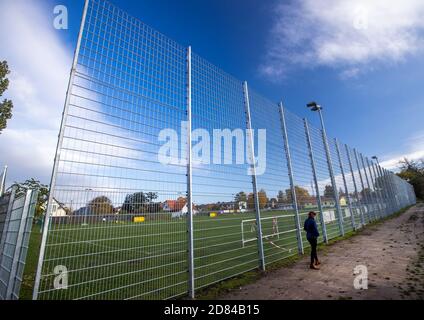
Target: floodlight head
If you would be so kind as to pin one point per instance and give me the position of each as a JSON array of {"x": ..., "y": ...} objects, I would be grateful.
[
  {"x": 314, "y": 106},
  {"x": 374, "y": 157}
]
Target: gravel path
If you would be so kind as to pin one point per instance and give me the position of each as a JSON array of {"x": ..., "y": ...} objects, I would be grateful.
[{"x": 393, "y": 253}]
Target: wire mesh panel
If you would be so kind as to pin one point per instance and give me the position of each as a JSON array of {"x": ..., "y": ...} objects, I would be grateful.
[
  {"x": 352, "y": 185},
  {"x": 376, "y": 188},
  {"x": 303, "y": 177},
  {"x": 276, "y": 204},
  {"x": 4, "y": 205},
  {"x": 118, "y": 226},
  {"x": 225, "y": 242},
  {"x": 362, "y": 191},
  {"x": 14, "y": 245},
  {"x": 338, "y": 177},
  {"x": 324, "y": 182},
  {"x": 117, "y": 213},
  {"x": 25, "y": 233},
  {"x": 10, "y": 244},
  {"x": 369, "y": 192}
]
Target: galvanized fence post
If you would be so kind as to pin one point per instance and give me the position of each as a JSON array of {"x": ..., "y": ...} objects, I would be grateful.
[
  {"x": 358, "y": 199},
  {"x": 18, "y": 245},
  {"x": 251, "y": 147},
  {"x": 312, "y": 158},
  {"x": 291, "y": 178},
  {"x": 57, "y": 155},
  {"x": 349, "y": 204},
  {"x": 190, "y": 231},
  {"x": 364, "y": 193},
  {"x": 333, "y": 180}
]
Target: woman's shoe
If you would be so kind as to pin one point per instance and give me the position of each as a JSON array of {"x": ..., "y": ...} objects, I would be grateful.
[
  {"x": 317, "y": 262},
  {"x": 314, "y": 267}
]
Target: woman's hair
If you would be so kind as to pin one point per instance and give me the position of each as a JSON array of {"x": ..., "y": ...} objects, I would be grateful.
[{"x": 312, "y": 214}]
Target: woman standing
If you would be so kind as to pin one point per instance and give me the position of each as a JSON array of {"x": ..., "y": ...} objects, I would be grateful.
[{"x": 312, "y": 235}]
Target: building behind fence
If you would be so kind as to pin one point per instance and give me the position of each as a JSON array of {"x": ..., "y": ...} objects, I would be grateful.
[{"x": 123, "y": 225}]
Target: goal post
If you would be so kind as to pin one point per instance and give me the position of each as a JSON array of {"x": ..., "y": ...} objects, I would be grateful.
[{"x": 270, "y": 229}]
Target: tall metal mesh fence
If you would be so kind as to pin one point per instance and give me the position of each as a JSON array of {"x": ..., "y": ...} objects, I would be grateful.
[
  {"x": 274, "y": 193},
  {"x": 329, "y": 205},
  {"x": 134, "y": 215},
  {"x": 18, "y": 212},
  {"x": 222, "y": 189},
  {"x": 112, "y": 202},
  {"x": 352, "y": 193}
]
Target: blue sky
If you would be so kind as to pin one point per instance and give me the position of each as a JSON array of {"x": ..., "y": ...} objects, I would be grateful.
[{"x": 362, "y": 60}]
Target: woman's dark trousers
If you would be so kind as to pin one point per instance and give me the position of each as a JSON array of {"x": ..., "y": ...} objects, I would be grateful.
[{"x": 313, "y": 243}]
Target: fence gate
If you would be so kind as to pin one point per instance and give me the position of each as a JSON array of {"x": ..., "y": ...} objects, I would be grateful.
[{"x": 16, "y": 215}]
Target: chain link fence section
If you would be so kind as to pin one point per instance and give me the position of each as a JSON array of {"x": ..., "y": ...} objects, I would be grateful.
[
  {"x": 154, "y": 192},
  {"x": 18, "y": 213}
]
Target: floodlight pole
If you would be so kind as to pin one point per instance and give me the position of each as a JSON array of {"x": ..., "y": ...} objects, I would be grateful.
[
  {"x": 330, "y": 170},
  {"x": 253, "y": 173},
  {"x": 314, "y": 173},
  {"x": 291, "y": 179}
]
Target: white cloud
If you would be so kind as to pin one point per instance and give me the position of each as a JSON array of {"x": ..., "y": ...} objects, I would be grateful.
[
  {"x": 40, "y": 65},
  {"x": 349, "y": 35},
  {"x": 415, "y": 151},
  {"x": 29, "y": 151}
]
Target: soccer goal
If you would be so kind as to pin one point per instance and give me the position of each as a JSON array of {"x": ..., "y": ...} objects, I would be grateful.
[{"x": 270, "y": 229}]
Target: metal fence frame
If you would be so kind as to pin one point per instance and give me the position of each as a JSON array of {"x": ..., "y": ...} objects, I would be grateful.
[
  {"x": 378, "y": 193},
  {"x": 14, "y": 243}
]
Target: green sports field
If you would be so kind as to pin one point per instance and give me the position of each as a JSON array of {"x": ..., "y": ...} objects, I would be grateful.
[{"x": 149, "y": 260}]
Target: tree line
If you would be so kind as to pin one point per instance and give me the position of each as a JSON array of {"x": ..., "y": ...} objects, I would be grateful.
[{"x": 413, "y": 172}]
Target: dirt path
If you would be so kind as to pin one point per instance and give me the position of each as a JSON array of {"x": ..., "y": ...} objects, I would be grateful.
[{"x": 392, "y": 251}]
